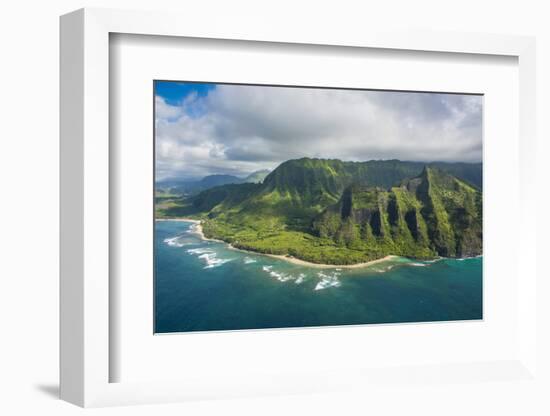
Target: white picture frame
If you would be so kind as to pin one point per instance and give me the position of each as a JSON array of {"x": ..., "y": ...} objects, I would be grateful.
[{"x": 85, "y": 211}]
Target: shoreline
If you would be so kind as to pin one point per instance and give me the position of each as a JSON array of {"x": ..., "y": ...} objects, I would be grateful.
[
  {"x": 299, "y": 262},
  {"x": 197, "y": 229}
]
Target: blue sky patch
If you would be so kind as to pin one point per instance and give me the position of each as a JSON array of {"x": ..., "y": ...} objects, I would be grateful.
[{"x": 174, "y": 92}]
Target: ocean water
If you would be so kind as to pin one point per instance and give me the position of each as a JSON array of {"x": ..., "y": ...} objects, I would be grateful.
[{"x": 204, "y": 285}]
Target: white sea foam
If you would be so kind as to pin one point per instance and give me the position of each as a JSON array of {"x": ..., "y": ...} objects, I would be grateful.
[
  {"x": 281, "y": 277},
  {"x": 212, "y": 260},
  {"x": 382, "y": 269},
  {"x": 215, "y": 262},
  {"x": 469, "y": 258},
  {"x": 300, "y": 279},
  {"x": 418, "y": 264},
  {"x": 209, "y": 256},
  {"x": 327, "y": 280},
  {"x": 175, "y": 242},
  {"x": 193, "y": 229},
  {"x": 199, "y": 250},
  {"x": 248, "y": 260}
]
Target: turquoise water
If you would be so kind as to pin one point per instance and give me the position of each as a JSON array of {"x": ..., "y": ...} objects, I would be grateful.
[{"x": 203, "y": 285}]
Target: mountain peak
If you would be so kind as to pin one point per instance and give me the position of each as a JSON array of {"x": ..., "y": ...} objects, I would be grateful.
[{"x": 257, "y": 176}]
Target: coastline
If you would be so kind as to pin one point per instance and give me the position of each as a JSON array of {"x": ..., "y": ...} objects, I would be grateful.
[
  {"x": 198, "y": 230},
  {"x": 300, "y": 262}
]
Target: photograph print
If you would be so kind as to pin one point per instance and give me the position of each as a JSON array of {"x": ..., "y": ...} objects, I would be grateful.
[{"x": 292, "y": 207}]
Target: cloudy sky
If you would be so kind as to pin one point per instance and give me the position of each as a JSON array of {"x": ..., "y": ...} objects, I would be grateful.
[{"x": 204, "y": 129}]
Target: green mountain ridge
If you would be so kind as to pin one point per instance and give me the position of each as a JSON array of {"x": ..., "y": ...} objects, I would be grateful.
[
  {"x": 330, "y": 211},
  {"x": 434, "y": 214}
]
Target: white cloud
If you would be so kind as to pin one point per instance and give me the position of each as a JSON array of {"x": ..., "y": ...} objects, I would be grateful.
[
  {"x": 164, "y": 111},
  {"x": 238, "y": 129}
]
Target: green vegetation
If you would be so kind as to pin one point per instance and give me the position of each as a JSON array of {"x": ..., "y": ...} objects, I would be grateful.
[{"x": 329, "y": 211}]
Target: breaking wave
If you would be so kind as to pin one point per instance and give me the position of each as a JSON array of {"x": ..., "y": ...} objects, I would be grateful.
[
  {"x": 175, "y": 241},
  {"x": 281, "y": 277},
  {"x": 382, "y": 269},
  {"x": 201, "y": 250},
  {"x": 433, "y": 260},
  {"x": 328, "y": 280},
  {"x": 284, "y": 277},
  {"x": 209, "y": 257},
  {"x": 300, "y": 279},
  {"x": 470, "y": 258}
]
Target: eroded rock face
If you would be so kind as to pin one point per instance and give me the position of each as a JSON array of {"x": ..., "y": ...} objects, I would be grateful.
[{"x": 432, "y": 214}]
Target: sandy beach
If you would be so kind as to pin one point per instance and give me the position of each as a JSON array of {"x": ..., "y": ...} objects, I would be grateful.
[
  {"x": 197, "y": 229},
  {"x": 299, "y": 262}
]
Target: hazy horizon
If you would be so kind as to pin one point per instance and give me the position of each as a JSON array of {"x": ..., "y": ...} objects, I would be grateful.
[{"x": 198, "y": 178}]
